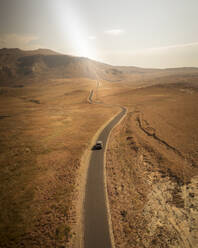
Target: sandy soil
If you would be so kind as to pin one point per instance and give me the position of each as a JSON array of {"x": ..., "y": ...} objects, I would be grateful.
[
  {"x": 45, "y": 128},
  {"x": 152, "y": 168}
]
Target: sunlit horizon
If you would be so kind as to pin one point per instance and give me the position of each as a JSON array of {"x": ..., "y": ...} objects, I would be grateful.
[{"x": 156, "y": 34}]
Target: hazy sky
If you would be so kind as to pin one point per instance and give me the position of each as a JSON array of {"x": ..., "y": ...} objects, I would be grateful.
[{"x": 146, "y": 33}]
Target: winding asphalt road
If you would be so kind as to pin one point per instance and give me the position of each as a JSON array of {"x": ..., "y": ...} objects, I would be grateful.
[
  {"x": 96, "y": 234},
  {"x": 90, "y": 96}
]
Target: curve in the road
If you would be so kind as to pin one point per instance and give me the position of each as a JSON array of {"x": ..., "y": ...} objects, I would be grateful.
[
  {"x": 96, "y": 224},
  {"x": 90, "y": 96}
]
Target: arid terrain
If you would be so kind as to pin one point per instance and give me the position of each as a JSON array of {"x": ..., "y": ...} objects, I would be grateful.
[
  {"x": 45, "y": 128},
  {"x": 152, "y": 168},
  {"x": 47, "y": 124}
]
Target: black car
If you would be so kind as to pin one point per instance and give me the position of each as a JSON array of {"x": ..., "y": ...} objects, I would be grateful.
[{"x": 98, "y": 145}]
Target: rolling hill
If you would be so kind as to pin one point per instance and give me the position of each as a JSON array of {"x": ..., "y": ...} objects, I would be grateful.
[{"x": 18, "y": 65}]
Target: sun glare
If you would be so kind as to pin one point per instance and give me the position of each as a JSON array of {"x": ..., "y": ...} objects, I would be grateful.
[{"x": 75, "y": 33}]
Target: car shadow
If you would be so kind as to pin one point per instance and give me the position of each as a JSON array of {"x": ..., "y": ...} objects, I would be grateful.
[{"x": 95, "y": 148}]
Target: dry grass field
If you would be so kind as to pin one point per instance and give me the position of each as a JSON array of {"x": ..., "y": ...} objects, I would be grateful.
[
  {"x": 47, "y": 124},
  {"x": 44, "y": 129},
  {"x": 152, "y": 167}
]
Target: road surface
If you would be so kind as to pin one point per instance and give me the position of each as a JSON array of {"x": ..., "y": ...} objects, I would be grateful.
[
  {"x": 96, "y": 229},
  {"x": 90, "y": 96}
]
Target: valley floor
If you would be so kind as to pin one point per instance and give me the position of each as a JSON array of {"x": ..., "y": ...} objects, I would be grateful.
[
  {"x": 152, "y": 169},
  {"x": 152, "y": 161},
  {"x": 45, "y": 127}
]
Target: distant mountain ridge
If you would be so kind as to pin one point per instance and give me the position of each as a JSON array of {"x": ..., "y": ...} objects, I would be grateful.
[
  {"x": 16, "y": 64},
  {"x": 27, "y": 52}
]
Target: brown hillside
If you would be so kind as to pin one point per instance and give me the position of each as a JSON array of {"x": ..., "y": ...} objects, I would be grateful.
[{"x": 17, "y": 65}]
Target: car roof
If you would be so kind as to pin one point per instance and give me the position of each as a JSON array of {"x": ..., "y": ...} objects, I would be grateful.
[{"x": 99, "y": 142}]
